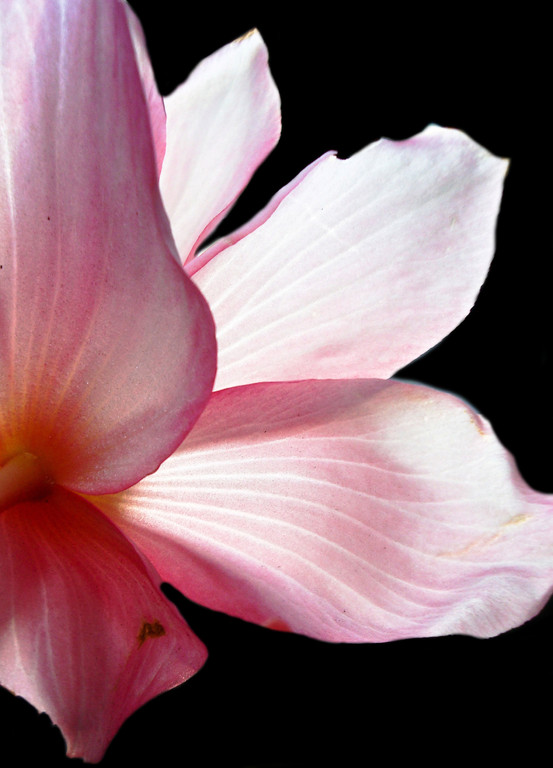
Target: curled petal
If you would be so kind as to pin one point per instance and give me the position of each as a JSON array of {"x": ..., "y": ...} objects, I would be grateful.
[
  {"x": 107, "y": 350},
  {"x": 86, "y": 635},
  {"x": 364, "y": 265},
  {"x": 221, "y": 124},
  {"x": 347, "y": 511}
]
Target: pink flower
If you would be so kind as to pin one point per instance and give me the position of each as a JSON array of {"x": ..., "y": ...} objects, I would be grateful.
[{"x": 313, "y": 493}]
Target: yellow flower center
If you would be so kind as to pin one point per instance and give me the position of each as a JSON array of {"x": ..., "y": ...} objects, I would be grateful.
[{"x": 22, "y": 478}]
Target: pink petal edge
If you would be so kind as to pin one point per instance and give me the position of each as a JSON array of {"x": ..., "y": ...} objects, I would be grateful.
[{"x": 154, "y": 101}]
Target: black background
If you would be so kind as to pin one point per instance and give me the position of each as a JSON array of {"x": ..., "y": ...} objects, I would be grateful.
[{"x": 272, "y": 699}]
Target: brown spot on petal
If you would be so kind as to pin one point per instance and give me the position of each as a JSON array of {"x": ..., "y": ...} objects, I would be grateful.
[{"x": 150, "y": 630}]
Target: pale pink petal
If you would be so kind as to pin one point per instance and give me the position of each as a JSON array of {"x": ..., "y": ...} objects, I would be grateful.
[
  {"x": 348, "y": 511},
  {"x": 362, "y": 267},
  {"x": 107, "y": 349},
  {"x": 193, "y": 265},
  {"x": 86, "y": 635},
  {"x": 221, "y": 124},
  {"x": 154, "y": 101}
]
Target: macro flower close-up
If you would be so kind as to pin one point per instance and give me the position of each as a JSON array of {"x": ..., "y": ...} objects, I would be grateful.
[{"x": 217, "y": 412}]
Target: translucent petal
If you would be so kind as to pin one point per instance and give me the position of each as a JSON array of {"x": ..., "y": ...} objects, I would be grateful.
[{"x": 347, "y": 511}]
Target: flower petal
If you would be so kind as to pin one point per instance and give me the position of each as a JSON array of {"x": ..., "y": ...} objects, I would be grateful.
[
  {"x": 195, "y": 264},
  {"x": 86, "y": 636},
  {"x": 107, "y": 349},
  {"x": 348, "y": 511},
  {"x": 221, "y": 124},
  {"x": 153, "y": 100},
  {"x": 362, "y": 267}
]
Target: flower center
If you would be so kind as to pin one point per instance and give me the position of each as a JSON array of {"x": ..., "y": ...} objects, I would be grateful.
[{"x": 22, "y": 478}]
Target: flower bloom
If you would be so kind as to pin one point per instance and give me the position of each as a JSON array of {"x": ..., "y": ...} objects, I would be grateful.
[{"x": 308, "y": 492}]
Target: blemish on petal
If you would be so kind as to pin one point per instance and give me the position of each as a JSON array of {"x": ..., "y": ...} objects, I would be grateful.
[
  {"x": 278, "y": 624},
  {"x": 477, "y": 423},
  {"x": 480, "y": 542},
  {"x": 150, "y": 630},
  {"x": 485, "y": 541},
  {"x": 245, "y": 36},
  {"x": 517, "y": 520}
]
